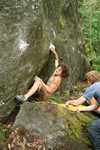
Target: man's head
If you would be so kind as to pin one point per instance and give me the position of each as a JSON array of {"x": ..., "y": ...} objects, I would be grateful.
[
  {"x": 62, "y": 70},
  {"x": 92, "y": 76}
]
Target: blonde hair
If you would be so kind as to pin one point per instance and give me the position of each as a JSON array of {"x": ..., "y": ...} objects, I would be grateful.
[{"x": 92, "y": 76}]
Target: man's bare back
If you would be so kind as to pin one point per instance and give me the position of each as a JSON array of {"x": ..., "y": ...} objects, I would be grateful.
[{"x": 53, "y": 82}]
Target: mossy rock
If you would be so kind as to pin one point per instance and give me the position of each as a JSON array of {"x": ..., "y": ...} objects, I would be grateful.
[
  {"x": 59, "y": 128},
  {"x": 26, "y": 30}
]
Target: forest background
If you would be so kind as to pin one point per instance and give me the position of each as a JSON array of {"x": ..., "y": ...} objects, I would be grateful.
[{"x": 90, "y": 17}]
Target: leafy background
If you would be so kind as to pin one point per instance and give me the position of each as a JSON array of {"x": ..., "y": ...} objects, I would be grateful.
[{"x": 90, "y": 15}]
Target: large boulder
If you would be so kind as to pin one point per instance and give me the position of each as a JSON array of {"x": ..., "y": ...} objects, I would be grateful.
[
  {"x": 26, "y": 29},
  {"x": 59, "y": 128},
  {"x": 23, "y": 44}
]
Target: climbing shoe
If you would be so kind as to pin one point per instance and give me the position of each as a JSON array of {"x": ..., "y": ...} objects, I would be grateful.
[{"x": 21, "y": 98}]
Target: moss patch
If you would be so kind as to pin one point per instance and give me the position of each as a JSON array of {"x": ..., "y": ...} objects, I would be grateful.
[{"x": 4, "y": 132}]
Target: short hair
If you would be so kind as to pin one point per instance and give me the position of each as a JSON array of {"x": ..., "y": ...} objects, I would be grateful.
[
  {"x": 93, "y": 76},
  {"x": 65, "y": 72}
]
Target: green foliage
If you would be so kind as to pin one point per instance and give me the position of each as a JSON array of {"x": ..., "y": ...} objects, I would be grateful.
[
  {"x": 56, "y": 98},
  {"x": 3, "y": 133},
  {"x": 90, "y": 12},
  {"x": 96, "y": 63}
]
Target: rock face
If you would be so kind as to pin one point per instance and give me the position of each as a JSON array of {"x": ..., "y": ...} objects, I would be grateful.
[
  {"x": 59, "y": 128},
  {"x": 26, "y": 29},
  {"x": 23, "y": 44}
]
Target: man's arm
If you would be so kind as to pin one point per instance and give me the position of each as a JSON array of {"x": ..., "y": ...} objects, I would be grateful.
[
  {"x": 53, "y": 50},
  {"x": 88, "y": 108},
  {"x": 76, "y": 102}
]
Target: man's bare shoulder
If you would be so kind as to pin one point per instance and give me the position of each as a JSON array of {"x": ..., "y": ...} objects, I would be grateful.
[{"x": 57, "y": 78}]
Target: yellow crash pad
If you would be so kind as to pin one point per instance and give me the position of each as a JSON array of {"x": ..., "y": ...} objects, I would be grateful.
[
  {"x": 75, "y": 108},
  {"x": 72, "y": 107}
]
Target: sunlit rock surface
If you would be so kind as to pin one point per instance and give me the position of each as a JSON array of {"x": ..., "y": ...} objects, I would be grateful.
[{"x": 26, "y": 29}]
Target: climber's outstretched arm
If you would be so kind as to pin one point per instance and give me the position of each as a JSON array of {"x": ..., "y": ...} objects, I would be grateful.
[{"x": 53, "y": 50}]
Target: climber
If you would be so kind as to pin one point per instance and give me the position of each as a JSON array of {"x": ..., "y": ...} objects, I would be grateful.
[{"x": 45, "y": 90}]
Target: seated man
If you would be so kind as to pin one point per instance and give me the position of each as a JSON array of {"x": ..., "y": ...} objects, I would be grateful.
[
  {"x": 45, "y": 90},
  {"x": 91, "y": 95}
]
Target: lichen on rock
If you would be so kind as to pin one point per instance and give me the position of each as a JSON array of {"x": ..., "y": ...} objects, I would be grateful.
[
  {"x": 56, "y": 125},
  {"x": 26, "y": 30}
]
